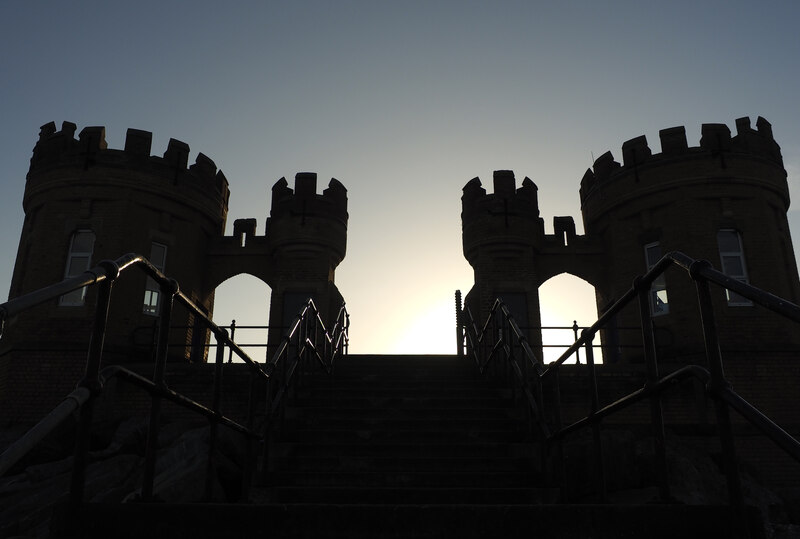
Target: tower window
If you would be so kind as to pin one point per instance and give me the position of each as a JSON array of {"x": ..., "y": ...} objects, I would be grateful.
[
  {"x": 731, "y": 255},
  {"x": 152, "y": 292},
  {"x": 659, "y": 304},
  {"x": 78, "y": 261}
]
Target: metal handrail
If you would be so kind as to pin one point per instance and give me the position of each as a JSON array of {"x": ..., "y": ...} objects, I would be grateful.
[
  {"x": 477, "y": 342},
  {"x": 90, "y": 386},
  {"x": 713, "y": 378}
]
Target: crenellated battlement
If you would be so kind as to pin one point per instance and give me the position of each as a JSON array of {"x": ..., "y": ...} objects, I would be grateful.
[
  {"x": 506, "y": 220},
  {"x": 60, "y": 149},
  {"x": 304, "y": 201},
  {"x": 507, "y": 199},
  {"x": 716, "y": 145}
]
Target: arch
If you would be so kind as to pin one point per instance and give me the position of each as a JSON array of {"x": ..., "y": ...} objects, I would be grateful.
[
  {"x": 565, "y": 299},
  {"x": 229, "y": 260},
  {"x": 586, "y": 267},
  {"x": 245, "y": 298}
]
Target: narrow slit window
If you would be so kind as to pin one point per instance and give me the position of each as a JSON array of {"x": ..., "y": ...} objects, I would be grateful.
[
  {"x": 731, "y": 255},
  {"x": 659, "y": 304},
  {"x": 79, "y": 260},
  {"x": 152, "y": 292}
]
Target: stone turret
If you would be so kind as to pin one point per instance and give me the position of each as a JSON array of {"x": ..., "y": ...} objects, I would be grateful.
[
  {"x": 308, "y": 239},
  {"x": 114, "y": 202},
  {"x": 689, "y": 199},
  {"x": 501, "y": 233}
]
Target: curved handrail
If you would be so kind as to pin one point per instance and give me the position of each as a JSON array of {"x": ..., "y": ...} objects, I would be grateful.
[
  {"x": 702, "y": 273},
  {"x": 697, "y": 269}
]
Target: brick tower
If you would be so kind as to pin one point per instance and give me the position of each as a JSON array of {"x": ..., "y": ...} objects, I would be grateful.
[
  {"x": 724, "y": 201},
  {"x": 84, "y": 203}
]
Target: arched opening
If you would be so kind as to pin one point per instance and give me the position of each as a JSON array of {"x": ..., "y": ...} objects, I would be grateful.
[
  {"x": 241, "y": 304},
  {"x": 567, "y": 302}
]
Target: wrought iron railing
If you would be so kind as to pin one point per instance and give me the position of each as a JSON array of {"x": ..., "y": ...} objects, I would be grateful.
[
  {"x": 501, "y": 342},
  {"x": 306, "y": 338}
]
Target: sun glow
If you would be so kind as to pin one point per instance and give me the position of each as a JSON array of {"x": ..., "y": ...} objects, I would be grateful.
[{"x": 432, "y": 332}]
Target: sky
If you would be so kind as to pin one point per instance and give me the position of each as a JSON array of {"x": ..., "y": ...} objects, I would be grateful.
[{"x": 403, "y": 102}]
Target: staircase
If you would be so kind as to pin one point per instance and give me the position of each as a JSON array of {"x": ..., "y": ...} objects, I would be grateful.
[
  {"x": 405, "y": 446},
  {"x": 400, "y": 430}
]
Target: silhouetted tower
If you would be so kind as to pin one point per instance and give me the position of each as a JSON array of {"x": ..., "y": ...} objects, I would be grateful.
[
  {"x": 307, "y": 241},
  {"x": 724, "y": 201},
  {"x": 505, "y": 243},
  {"x": 84, "y": 203},
  {"x": 501, "y": 232}
]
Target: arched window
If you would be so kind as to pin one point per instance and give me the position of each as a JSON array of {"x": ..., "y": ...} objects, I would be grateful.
[
  {"x": 158, "y": 257},
  {"x": 79, "y": 260},
  {"x": 731, "y": 255},
  {"x": 659, "y": 303}
]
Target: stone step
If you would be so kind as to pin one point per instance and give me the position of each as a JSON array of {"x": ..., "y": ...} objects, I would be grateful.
[
  {"x": 425, "y": 386},
  {"x": 323, "y": 434},
  {"x": 303, "y": 394},
  {"x": 453, "y": 479},
  {"x": 446, "y": 424},
  {"x": 404, "y": 360},
  {"x": 382, "y": 401},
  {"x": 428, "y": 521},
  {"x": 320, "y": 414},
  {"x": 408, "y": 495},
  {"x": 401, "y": 463},
  {"x": 405, "y": 450}
]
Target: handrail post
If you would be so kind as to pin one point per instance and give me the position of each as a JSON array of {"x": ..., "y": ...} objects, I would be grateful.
[
  {"x": 91, "y": 381},
  {"x": 168, "y": 290},
  {"x": 656, "y": 412},
  {"x": 216, "y": 402},
  {"x": 347, "y": 334},
  {"x": 600, "y": 476},
  {"x": 459, "y": 327},
  {"x": 233, "y": 333},
  {"x": 575, "y": 329},
  {"x": 717, "y": 383}
]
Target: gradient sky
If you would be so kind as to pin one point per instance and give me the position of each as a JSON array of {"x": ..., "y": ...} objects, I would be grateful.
[{"x": 403, "y": 102}]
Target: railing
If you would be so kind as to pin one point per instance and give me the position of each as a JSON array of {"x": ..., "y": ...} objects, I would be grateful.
[
  {"x": 500, "y": 338},
  {"x": 305, "y": 337},
  {"x": 150, "y": 332}
]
